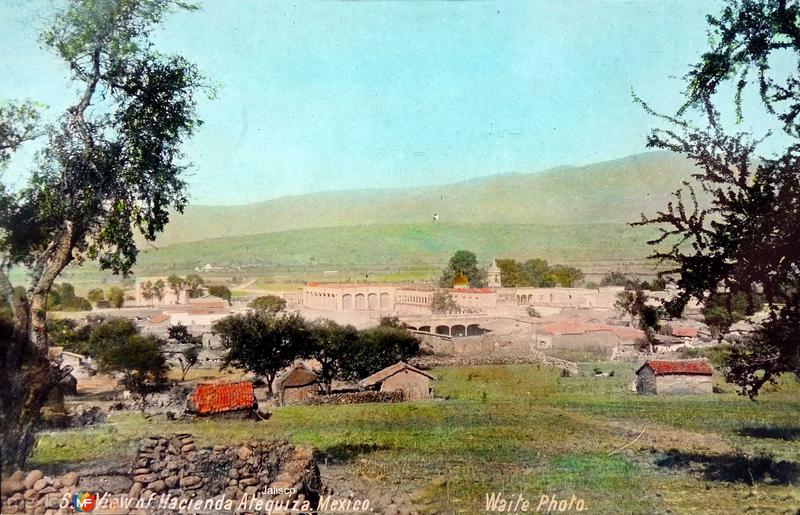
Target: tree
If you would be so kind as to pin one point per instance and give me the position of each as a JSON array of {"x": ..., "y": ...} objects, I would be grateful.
[
  {"x": 95, "y": 295},
  {"x": 261, "y": 343},
  {"x": 739, "y": 232},
  {"x": 116, "y": 297},
  {"x": 223, "y": 292},
  {"x": 377, "y": 348},
  {"x": 62, "y": 298},
  {"x": 140, "y": 360},
  {"x": 193, "y": 284},
  {"x": 110, "y": 334},
  {"x": 331, "y": 345},
  {"x": 187, "y": 359},
  {"x": 189, "y": 356},
  {"x": 443, "y": 303},
  {"x": 268, "y": 304},
  {"x": 632, "y": 303},
  {"x": 566, "y": 276},
  {"x": 176, "y": 285},
  {"x": 146, "y": 289},
  {"x": 538, "y": 273},
  {"x": 109, "y": 166},
  {"x": 464, "y": 262},
  {"x": 158, "y": 290},
  {"x": 615, "y": 278}
]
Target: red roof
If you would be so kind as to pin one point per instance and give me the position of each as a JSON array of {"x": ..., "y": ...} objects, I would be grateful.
[
  {"x": 209, "y": 398},
  {"x": 575, "y": 327},
  {"x": 157, "y": 319},
  {"x": 663, "y": 367},
  {"x": 685, "y": 332}
]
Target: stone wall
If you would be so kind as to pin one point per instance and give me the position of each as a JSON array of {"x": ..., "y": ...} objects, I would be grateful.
[
  {"x": 176, "y": 469},
  {"x": 684, "y": 384},
  {"x": 356, "y": 398},
  {"x": 465, "y": 361}
]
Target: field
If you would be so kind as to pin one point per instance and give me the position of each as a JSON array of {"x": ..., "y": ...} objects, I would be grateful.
[{"x": 522, "y": 429}]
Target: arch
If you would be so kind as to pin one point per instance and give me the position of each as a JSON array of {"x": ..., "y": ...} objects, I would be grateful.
[
  {"x": 361, "y": 302},
  {"x": 474, "y": 330},
  {"x": 412, "y": 328},
  {"x": 458, "y": 330},
  {"x": 385, "y": 301},
  {"x": 372, "y": 300},
  {"x": 443, "y": 329},
  {"x": 347, "y": 302},
  {"x": 425, "y": 328}
]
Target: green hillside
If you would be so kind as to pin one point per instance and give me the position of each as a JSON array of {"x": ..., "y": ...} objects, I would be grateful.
[
  {"x": 397, "y": 246},
  {"x": 613, "y": 192}
]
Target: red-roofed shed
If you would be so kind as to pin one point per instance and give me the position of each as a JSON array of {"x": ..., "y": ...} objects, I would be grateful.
[
  {"x": 218, "y": 398},
  {"x": 675, "y": 376}
]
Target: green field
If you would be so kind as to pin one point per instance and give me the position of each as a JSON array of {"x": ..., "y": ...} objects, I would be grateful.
[
  {"x": 392, "y": 248},
  {"x": 523, "y": 429}
]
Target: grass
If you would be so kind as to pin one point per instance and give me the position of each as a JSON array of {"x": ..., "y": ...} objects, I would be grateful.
[{"x": 521, "y": 429}]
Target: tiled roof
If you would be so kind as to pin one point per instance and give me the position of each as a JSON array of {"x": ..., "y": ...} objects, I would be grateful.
[
  {"x": 663, "y": 367},
  {"x": 157, "y": 319},
  {"x": 389, "y": 371},
  {"x": 684, "y": 332},
  {"x": 298, "y": 376},
  {"x": 209, "y": 398},
  {"x": 573, "y": 327}
]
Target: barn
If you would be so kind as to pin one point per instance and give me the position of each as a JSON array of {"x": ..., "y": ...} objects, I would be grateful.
[
  {"x": 298, "y": 384},
  {"x": 413, "y": 382},
  {"x": 675, "y": 376},
  {"x": 222, "y": 399}
]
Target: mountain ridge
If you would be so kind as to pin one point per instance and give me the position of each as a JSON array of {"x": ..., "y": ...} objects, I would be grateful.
[{"x": 615, "y": 191}]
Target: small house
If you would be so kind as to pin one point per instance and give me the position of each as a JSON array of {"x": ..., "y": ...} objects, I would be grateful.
[
  {"x": 222, "y": 399},
  {"x": 298, "y": 384},
  {"x": 413, "y": 382},
  {"x": 675, "y": 376}
]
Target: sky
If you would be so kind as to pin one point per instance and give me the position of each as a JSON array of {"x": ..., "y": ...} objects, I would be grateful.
[{"x": 331, "y": 95}]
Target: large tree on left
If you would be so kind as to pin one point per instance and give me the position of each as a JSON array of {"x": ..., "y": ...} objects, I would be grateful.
[{"x": 109, "y": 166}]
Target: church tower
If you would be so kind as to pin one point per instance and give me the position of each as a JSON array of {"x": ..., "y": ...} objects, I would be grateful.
[{"x": 493, "y": 275}]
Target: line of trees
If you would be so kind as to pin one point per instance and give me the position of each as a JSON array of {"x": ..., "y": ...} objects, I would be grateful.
[
  {"x": 265, "y": 343},
  {"x": 538, "y": 273}
]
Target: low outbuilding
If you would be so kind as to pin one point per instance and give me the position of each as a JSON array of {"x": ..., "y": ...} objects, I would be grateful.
[
  {"x": 675, "y": 376},
  {"x": 413, "y": 382},
  {"x": 222, "y": 399},
  {"x": 297, "y": 385}
]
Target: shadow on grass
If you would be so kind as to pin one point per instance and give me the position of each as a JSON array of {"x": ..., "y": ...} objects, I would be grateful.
[
  {"x": 779, "y": 432},
  {"x": 734, "y": 468},
  {"x": 347, "y": 453}
]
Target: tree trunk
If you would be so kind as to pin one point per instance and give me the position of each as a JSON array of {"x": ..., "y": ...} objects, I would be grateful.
[{"x": 27, "y": 375}]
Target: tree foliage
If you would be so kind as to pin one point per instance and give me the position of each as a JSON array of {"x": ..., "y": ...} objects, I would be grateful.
[
  {"x": 331, "y": 345},
  {"x": 537, "y": 273},
  {"x": 262, "y": 343},
  {"x": 746, "y": 239},
  {"x": 377, "y": 348},
  {"x": 268, "y": 304},
  {"x": 221, "y": 291},
  {"x": 110, "y": 166},
  {"x": 464, "y": 262}
]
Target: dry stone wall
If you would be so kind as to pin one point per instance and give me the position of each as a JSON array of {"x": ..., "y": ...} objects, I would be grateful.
[
  {"x": 177, "y": 470},
  {"x": 356, "y": 398}
]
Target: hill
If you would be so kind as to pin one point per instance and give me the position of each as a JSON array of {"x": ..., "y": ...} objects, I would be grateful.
[
  {"x": 613, "y": 192},
  {"x": 397, "y": 246}
]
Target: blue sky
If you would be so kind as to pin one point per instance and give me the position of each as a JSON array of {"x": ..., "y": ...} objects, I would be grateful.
[{"x": 345, "y": 95}]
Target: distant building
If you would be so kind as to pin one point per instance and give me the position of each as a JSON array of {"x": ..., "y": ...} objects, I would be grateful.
[
  {"x": 676, "y": 376},
  {"x": 222, "y": 399},
  {"x": 493, "y": 278},
  {"x": 413, "y": 382},
  {"x": 298, "y": 384}
]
